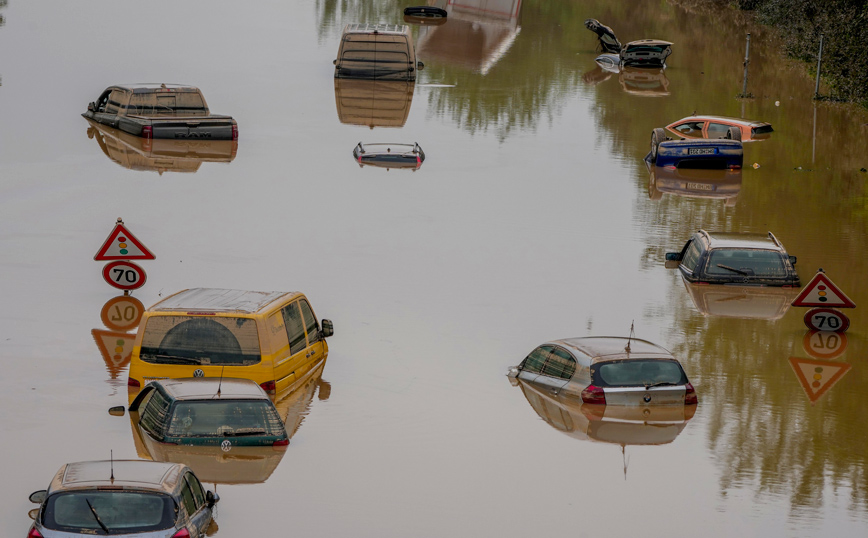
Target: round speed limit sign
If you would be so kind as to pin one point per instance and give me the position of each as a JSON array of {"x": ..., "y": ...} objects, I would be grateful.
[
  {"x": 826, "y": 319},
  {"x": 124, "y": 275}
]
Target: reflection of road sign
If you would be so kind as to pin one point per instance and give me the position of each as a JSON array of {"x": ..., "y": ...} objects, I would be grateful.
[
  {"x": 824, "y": 344},
  {"x": 122, "y": 245},
  {"x": 826, "y": 319},
  {"x": 124, "y": 275},
  {"x": 116, "y": 348},
  {"x": 817, "y": 377},
  {"x": 821, "y": 292},
  {"x": 122, "y": 313}
]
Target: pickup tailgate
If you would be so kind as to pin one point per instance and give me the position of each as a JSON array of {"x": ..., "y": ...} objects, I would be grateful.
[{"x": 193, "y": 127}]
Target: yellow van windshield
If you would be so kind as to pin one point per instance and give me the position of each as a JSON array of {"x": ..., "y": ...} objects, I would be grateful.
[{"x": 221, "y": 341}]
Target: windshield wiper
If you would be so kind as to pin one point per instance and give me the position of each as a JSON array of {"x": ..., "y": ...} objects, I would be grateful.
[
  {"x": 174, "y": 359},
  {"x": 733, "y": 269},
  {"x": 659, "y": 384},
  {"x": 95, "y": 515}
]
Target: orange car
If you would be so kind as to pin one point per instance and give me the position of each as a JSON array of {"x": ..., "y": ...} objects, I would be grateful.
[{"x": 718, "y": 126}]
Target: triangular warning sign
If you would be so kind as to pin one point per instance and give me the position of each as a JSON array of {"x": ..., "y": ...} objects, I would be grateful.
[
  {"x": 817, "y": 377},
  {"x": 821, "y": 292},
  {"x": 122, "y": 245},
  {"x": 116, "y": 349}
]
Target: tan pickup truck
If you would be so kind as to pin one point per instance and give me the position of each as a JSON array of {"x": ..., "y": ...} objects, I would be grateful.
[
  {"x": 377, "y": 51},
  {"x": 174, "y": 111}
]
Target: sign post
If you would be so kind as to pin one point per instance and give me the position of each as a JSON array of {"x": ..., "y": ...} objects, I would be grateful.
[{"x": 823, "y": 294}]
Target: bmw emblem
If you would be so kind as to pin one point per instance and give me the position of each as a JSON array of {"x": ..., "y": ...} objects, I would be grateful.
[
  {"x": 647, "y": 398},
  {"x": 198, "y": 373},
  {"x": 226, "y": 446}
]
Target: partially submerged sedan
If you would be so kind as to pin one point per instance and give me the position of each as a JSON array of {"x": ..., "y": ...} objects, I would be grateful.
[
  {"x": 381, "y": 155},
  {"x": 144, "y": 499},
  {"x": 608, "y": 370},
  {"x": 726, "y": 152},
  {"x": 720, "y": 127}
]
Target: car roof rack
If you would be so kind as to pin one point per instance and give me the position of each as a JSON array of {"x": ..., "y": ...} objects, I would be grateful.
[{"x": 775, "y": 239}]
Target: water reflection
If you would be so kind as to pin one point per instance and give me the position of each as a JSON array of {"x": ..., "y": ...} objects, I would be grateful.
[
  {"x": 159, "y": 155},
  {"x": 747, "y": 302},
  {"x": 695, "y": 183},
  {"x": 373, "y": 103},
  {"x": 646, "y": 82},
  {"x": 478, "y": 34},
  {"x": 119, "y": 314}
]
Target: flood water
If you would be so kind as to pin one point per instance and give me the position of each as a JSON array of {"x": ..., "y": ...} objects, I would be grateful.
[{"x": 532, "y": 218}]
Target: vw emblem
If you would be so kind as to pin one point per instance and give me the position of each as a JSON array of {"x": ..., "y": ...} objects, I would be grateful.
[
  {"x": 647, "y": 398},
  {"x": 198, "y": 373},
  {"x": 226, "y": 446}
]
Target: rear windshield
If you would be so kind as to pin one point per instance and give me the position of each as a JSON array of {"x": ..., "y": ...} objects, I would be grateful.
[
  {"x": 763, "y": 129},
  {"x": 175, "y": 103},
  {"x": 639, "y": 373},
  {"x": 228, "y": 341},
  {"x": 732, "y": 262},
  {"x": 121, "y": 512},
  {"x": 210, "y": 418}
]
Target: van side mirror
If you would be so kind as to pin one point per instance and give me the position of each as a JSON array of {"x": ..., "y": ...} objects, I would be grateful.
[
  {"x": 793, "y": 260},
  {"x": 211, "y": 498},
  {"x": 335, "y": 61},
  {"x": 38, "y": 497},
  {"x": 673, "y": 256},
  {"x": 116, "y": 411},
  {"x": 420, "y": 66},
  {"x": 91, "y": 107},
  {"x": 328, "y": 328}
]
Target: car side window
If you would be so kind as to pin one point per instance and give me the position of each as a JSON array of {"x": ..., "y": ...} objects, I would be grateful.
[
  {"x": 187, "y": 499},
  {"x": 294, "y": 328},
  {"x": 691, "y": 256},
  {"x": 691, "y": 128},
  {"x": 717, "y": 130},
  {"x": 560, "y": 364},
  {"x": 311, "y": 325},
  {"x": 115, "y": 101},
  {"x": 196, "y": 489},
  {"x": 537, "y": 358},
  {"x": 277, "y": 330},
  {"x": 154, "y": 415}
]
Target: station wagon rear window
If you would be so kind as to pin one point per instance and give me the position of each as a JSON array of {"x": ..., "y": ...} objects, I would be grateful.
[
  {"x": 746, "y": 262},
  {"x": 224, "y": 418},
  {"x": 122, "y": 512},
  {"x": 639, "y": 373},
  {"x": 222, "y": 341}
]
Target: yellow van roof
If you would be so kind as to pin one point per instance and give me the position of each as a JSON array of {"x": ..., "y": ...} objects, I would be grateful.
[{"x": 219, "y": 300}]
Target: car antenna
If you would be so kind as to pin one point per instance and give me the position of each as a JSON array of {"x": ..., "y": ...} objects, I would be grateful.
[
  {"x": 112, "y": 460},
  {"x": 632, "y": 334}
]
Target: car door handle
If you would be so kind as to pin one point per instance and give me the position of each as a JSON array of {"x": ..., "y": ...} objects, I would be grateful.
[{"x": 308, "y": 354}]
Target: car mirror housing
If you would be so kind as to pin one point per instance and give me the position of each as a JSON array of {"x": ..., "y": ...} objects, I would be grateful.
[
  {"x": 420, "y": 66},
  {"x": 91, "y": 107},
  {"x": 673, "y": 256},
  {"x": 38, "y": 497},
  {"x": 328, "y": 328},
  {"x": 793, "y": 260},
  {"x": 672, "y": 264},
  {"x": 212, "y": 498},
  {"x": 116, "y": 411}
]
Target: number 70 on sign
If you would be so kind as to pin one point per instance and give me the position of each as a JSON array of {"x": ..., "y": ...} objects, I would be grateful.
[{"x": 124, "y": 275}]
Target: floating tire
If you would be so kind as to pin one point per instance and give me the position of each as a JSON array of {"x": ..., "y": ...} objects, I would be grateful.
[{"x": 658, "y": 135}]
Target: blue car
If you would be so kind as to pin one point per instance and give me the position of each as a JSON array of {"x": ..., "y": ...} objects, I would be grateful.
[{"x": 718, "y": 153}]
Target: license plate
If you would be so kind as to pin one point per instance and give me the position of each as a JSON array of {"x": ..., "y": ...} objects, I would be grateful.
[
  {"x": 701, "y": 151},
  {"x": 700, "y": 187}
]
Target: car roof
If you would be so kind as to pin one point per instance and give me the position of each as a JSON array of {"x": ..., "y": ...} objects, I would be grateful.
[
  {"x": 219, "y": 300},
  {"x": 738, "y": 121},
  {"x": 390, "y": 29},
  {"x": 134, "y": 474},
  {"x": 198, "y": 388},
  {"x": 743, "y": 240},
  {"x": 601, "y": 348},
  {"x": 148, "y": 86}
]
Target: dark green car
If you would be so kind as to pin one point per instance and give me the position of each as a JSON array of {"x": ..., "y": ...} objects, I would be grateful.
[{"x": 208, "y": 412}]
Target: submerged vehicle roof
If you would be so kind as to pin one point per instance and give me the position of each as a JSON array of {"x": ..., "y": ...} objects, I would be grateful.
[
  {"x": 145, "y": 87},
  {"x": 388, "y": 29},
  {"x": 219, "y": 300},
  {"x": 743, "y": 240},
  {"x": 198, "y": 388},
  {"x": 739, "y": 121},
  {"x": 133, "y": 474},
  {"x": 614, "y": 347}
]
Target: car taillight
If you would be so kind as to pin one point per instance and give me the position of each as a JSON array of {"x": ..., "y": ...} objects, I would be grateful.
[
  {"x": 593, "y": 395},
  {"x": 133, "y": 382},
  {"x": 235, "y": 132},
  {"x": 147, "y": 132},
  {"x": 34, "y": 533},
  {"x": 280, "y": 443},
  {"x": 690, "y": 395},
  {"x": 181, "y": 534},
  {"x": 734, "y": 166},
  {"x": 268, "y": 387}
]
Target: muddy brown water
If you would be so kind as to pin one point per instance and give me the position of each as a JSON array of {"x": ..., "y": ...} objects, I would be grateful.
[{"x": 532, "y": 218}]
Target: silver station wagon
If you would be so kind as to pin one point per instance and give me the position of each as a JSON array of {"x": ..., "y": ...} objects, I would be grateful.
[
  {"x": 608, "y": 370},
  {"x": 144, "y": 499}
]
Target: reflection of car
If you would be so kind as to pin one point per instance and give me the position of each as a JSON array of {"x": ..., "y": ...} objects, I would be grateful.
[
  {"x": 223, "y": 412},
  {"x": 273, "y": 338},
  {"x": 123, "y": 498},
  {"x": 619, "y": 424},
  {"x": 608, "y": 370},
  {"x": 696, "y": 152},
  {"x": 381, "y": 155},
  {"x": 746, "y": 302},
  {"x": 160, "y": 111},
  {"x": 425, "y": 12},
  {"x": 376, "y": 51},
  {"x": 644, "y": 81},
  {"x": 719, "y": 127},
  {"x": 691, "y": 183},
  {"x": 730, "y": 258},
  {"x": 373, "y": 103},
  {"x": 159, "y": 155}
]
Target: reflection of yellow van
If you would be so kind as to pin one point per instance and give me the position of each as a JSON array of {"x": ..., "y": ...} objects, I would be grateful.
[{"x": 272, "y": 338}]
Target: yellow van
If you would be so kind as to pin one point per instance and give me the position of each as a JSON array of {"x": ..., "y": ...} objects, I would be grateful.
[{"x": 272, "y": 338}]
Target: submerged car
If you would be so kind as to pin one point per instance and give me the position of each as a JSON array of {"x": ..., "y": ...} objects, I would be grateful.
[
  {"x": 381, "y": 155},
  {"x": 377, "y": 51},
  {"x": 697, "y": 152},
  {"x": 605, "y": 35},
  {"x": 208, "y": 412},
  {"x": 733, "y": 258},
  {"x": 720, "y": 127},
  {"x": 639, "y": 53},
  {"x": 608, "y": 370},
  {"x": 144, "y": 499}
]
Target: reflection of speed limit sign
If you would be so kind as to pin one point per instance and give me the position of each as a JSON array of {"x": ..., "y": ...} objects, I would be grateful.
[
  {"x": 124, "y": 275},
  {"x": 826, "y": 319},
  {"x": 122, "y": 313},
  {"x": 824, "y": 344}
]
